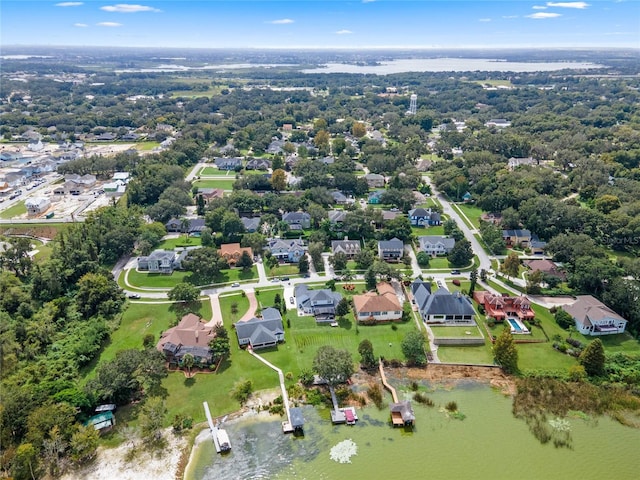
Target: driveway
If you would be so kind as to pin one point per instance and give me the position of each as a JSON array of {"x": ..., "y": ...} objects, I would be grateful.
[
  {"x": 253, "y": 305},
  {"x": 288, "y": 293},
  {"x": 417, "y": 271}
]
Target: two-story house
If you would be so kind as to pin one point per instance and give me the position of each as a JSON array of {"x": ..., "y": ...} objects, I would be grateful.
[
  {"x": 232, "y": 252},
  {"x": 158, "y": 261},
  {"x": 319, "y": 303},
  {"x": 349, "y": 247},
  {"x": 391, "y": 250},
  {"x": 516, "y": 237},
  {"x": 297, "y": 220},
  {"x": 436, "y": 244},
  {"x": 423, "y": 217},
  {"x": 592, "y": 317},
  {"x": 286, "y": 250},
  {"x": 375, "y": 180}
]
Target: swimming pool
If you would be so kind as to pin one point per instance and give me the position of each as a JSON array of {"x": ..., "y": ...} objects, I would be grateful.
[{"x": 517, "y": 326}]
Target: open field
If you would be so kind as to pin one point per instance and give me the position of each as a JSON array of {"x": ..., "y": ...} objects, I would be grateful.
[
  {"x": 16, "y": 210},
  {"x": 144, "y": 280},
  {"x": 211, "y": 170},
  {"x": 181, "y": 241},
  {"x": 223, "y": 184},
  {"x": 146, "y": 146},
  {"x": 466, "y": 354},
  {"x": 422, "y": 231},
  {"x": 472, "y": 212}
]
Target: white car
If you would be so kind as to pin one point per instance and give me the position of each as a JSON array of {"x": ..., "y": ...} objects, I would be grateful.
[{"x": 235, "y": 284}]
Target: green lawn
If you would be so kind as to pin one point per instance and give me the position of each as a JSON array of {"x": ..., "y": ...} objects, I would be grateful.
[
  {"x": 466, "y": 354},
  {"x": 160, "y": 280},
  {"x": 283, "y": 269},
  {"x": 472, "y": 213},
  {"x": 422, "y": 231},
  {"x": 146, "y": 146},
  {"x": 439, "y": 263},
  {"x": 455, "y": 332},
  {"x": 226, "y": 306},
  {"x": 224, "y": 184},
  {"x": 212, "y": 170},
  {"x": 181, "y": 241},
  {"x": 14, "y": 211},
  {"x": 265, "y": 296}
]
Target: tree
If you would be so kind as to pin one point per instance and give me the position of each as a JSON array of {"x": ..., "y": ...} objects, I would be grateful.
[
  {"x": 343, "y": 308},
  {"x": 245, "y": 261},
  {"x": 423, "y": 259},
  {"x": 534, "y": 279},
  {"x": 25, "y": 463},
  {"x": 184, "y": 292},
  {"x": 339, "y": 261},
  {"x": 204, "y": 263},
  {"x": 84, "y": 443},
  {"x": 473, "y": 277},
  {"x": 220, "y": 346},
  {"x": 358, "y": 129},
  {"x": 15, "y": 257},
  {"x": 592, "y": 358},
  {"x": 187, "y": 362},
  {"x": 151, "y": 420},
  {"x": 505, "y": 353},
  {"x": 303, "y": 264},
  {"x": 98, "y": 293},
  {"x": 511, "y": 265},
  {"x": 399, "y": 227},
  {"x": 370, "y": 278},
  {"x": 279, "y": 180},
  {"x": 333, "y": 365},
  {"x": 242, "y": 391},
  {"x": 200, "y": 205},
  {"x": 461, "y": 253},
  {"x": 364, "y": 259},
  {"x": 367, "y": 358},
  {"x": 413, "y": 348}
]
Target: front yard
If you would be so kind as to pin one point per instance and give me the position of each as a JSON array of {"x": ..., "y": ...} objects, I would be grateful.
[
  {"x": 142, "y": 280},
  {"x": 223, "y": 183}
]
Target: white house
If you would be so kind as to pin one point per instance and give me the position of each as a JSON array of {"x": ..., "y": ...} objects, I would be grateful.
[
  {"x": 37, "y": 205},
  {"x": 380, "y": 307},
  {"x": 592, "y": 317},
  {"x": 436, "y": 244}
]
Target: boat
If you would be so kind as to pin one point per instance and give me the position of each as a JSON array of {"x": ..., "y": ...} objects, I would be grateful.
[
  {"x": 223, "y": 440},
  {"x": 350, "y": 417}
]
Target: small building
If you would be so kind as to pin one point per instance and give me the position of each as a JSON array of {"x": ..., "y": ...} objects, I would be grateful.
[
  {"x": 340, "y": 198},
  {"x": 517, "y": 237},
  {"x": 436, "y": 244},
  {"x": 37, "y": 205},
  {"x": 232, "y": 252},
  {"x": 497, "y": 123},
  {"x": 296, "y": 419},
  {"x": 375, "y": 198},
  {"x": 402, "y": 414},
  {"x": 102, "y": 421},
  {"x": 391, "y": 250},
  {"x": 262, "y": 332},
  {"x": 514, "y": 162},
  {"x": 592, "y": 317},
  {"x": 536, "y": 245},
  {"x": 350, "y": 248}
]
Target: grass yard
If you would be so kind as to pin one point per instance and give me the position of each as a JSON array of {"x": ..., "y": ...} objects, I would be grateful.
[
  {"x": 466, "y": 354},
  {"x": 439, "y": 332},
  {"x": 210, "y": 170},
  {"x": 146, "y": 146},
  {"x": 144, "y": 280},
  {"x": 44, "y": 252},
  {"x": 422, "y": 231},
  {"x": 283, "y": 269},
  {"x": 181, "y": 241},
  {"x": 266, "y": 296},
  {"x": 464, "y": 286},
  {"x": 222, "y": 183},
  {"x": 14, "y": 211},
  {"x": 472, "y": 213},
  {"x": 226, "y": 306},
  {"x": 439, "y": 263}
]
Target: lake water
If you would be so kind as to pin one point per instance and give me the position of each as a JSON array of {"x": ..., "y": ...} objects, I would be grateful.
[
  {"x": 488, "y": 444},
  {"x": 450, "y": 65}
]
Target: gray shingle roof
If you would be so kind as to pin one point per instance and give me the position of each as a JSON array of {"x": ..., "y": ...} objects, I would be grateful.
[{"x": 443, "y": 302}]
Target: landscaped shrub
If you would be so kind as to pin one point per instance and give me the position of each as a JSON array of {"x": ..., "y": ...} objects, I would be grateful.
[
  {"x": 314, "y": 397},
  {"x": 394, "y": 327},
  {"x": 423, "y": 399},
  {"x": 491, "y": 322},
  {"x": 574, "y": 342}
]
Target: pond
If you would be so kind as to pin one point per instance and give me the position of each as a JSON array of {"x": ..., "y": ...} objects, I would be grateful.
[{"x": 489, "y": 443}]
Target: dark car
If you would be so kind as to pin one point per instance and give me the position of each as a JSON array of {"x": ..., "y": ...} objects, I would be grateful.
[
  {"x": 455, "y": 272},
  {"x": 133, "y": 295}
]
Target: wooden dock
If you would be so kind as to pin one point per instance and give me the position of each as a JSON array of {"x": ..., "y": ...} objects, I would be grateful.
[
  {"x": 392, "y": 390},
  {"x": 212, "y": 427}
]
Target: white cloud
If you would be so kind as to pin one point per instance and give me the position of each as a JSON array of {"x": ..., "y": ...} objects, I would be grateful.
[
  {"x": 484, "y": 19},
  {"x": 368, "y": 1},
  {"x": 80, "y": 25},
  {"x": 510, "y": 16},
  {"x": 69, "y": 4},
  {"x": 579, "y": 5},
  {"x": 543, "y": 15},
  {"x": 128, "y": 8},
  {"x": 282, "y": 21},
  {"x": 109, "y": 24},
  {"x": 539, "y": 7},
  {"x": 343, "y": 32}
]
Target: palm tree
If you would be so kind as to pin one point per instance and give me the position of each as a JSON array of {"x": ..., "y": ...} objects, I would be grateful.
[{"x": 188, "y": 361}]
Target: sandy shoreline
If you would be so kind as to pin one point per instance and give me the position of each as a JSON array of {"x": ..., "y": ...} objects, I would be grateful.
[{"x": 112, "y": 463}]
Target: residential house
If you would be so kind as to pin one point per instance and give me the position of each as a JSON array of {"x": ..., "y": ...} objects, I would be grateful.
[
  {"x": 547, "y": 267},
  {"x": 192, "y": 225},
  {"x": 302, "y": 219},
  {"x": 467, "y": 197},
  {"x": 251, "y": 224},
  {"x": 379, "y": 307},
  {"x": 391, "y": 250},
  {"x": 493, "y": 218},
  {"x": 514, "y": 238},
  {"x": 114, "y": 189},
  {"x": 375, "y": 180},
  {"x": 37, "y": 205},
  {"x": 442, "y": 306},
  {"x": 209, "y": 194},
  {"x": 377, "y": 136},
  {"x": 232, "y": 252},
  {"x": 159, "y": 261},
  {"x": 130, "y": 137},
  {"x": 192, "y": 336},
  {"x": 258, "y": 164},
  {"x": 340, "y": 198},
  {"x": 514, "y": 162},
  {"x": 106, "y": 137},
  {"x": 375, "y": 197},
  {"x": 233, "y": 163},
  {"x": 329, "y": 160},
  {"x": 498, "y": 123},
  {"x": 436, "y": 244},
  {"x": 349, "y": 247},
  {"x": 262, "y": 332},
  {"x": 390, "y": 214},
  {"x": 536, "y": 245},
  {"x": 286, "y": 250},
  {"x": 121, "y": 176},
  {"x": 424, "y": 165},
  {"x": 501, "y": 307},
  {"x": 275, "y": 146},
  {"x": 81, "y": 180},
  {"x": 337, "y": 216},
  {"x": 69, "y": 187},
  {"x": 592, "y": 317},
  {"x": 422, "y": 217},
  {"x": 319, "y": 303}
]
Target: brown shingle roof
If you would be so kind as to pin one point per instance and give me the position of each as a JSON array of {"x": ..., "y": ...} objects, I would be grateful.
[
  {"x": 190, "y": 332},
  {"x": 587, "y": 308},
  {"x": 386, "y": 301}
]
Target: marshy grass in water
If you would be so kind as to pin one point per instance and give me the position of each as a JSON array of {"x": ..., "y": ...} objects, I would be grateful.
[{"x": 343, "y": 451}]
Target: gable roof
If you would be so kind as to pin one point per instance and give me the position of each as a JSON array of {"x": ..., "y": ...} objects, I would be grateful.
[
  {"x": 393, "y": 244},
  {"x": 443, "y": 302},
  {"x": 447, "y": 242},
  {"x": 190, "y": 332},
  {"x": 420, "y": 291},
  {"x": 346, "y": 246},
  {"x": 250, "y": 223},
  {"x": 336, "y": 216},
  {"x": 587, "y": 308},
  {"x": 261, "y": 330}
]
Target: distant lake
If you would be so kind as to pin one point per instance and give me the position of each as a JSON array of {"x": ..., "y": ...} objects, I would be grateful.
[{"x": 450, "y": 65}]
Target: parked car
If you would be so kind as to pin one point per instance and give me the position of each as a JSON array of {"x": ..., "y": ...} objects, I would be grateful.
[
  {"x": 134, "y": 295},
  {"x": 284, "y": 279},
  {"x": 235, "y": 284},
  {"x": 455, "y": 272},
  {"x": 291, "y": 300}
]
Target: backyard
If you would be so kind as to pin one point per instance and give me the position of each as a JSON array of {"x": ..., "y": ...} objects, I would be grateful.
[{"x": 222, "y": 183}]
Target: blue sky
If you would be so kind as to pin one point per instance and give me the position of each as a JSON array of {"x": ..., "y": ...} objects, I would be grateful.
[{"x": 315, "y": 23}]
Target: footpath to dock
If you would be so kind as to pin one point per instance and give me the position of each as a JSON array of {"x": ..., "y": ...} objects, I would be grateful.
[{"x": 394, "y": 395}]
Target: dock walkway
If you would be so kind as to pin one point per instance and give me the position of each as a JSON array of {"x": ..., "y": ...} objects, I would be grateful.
[
  {"x": 386, "y": 385},
  {"x": 286, "y": 426},
  {"x": 212, "y": 427}
]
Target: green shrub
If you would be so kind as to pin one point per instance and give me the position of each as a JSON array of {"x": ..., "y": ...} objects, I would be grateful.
[
  {"x": 451, "y": 406},
  {"x": 423, "y": 399},
  {"x": 375, "y": 394}
]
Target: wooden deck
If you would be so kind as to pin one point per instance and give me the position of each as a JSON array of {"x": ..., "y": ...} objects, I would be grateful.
[{"x": 392, "y": 390}]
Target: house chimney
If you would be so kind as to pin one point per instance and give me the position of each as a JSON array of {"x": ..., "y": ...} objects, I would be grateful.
[{"x": 197, "y": 332}]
